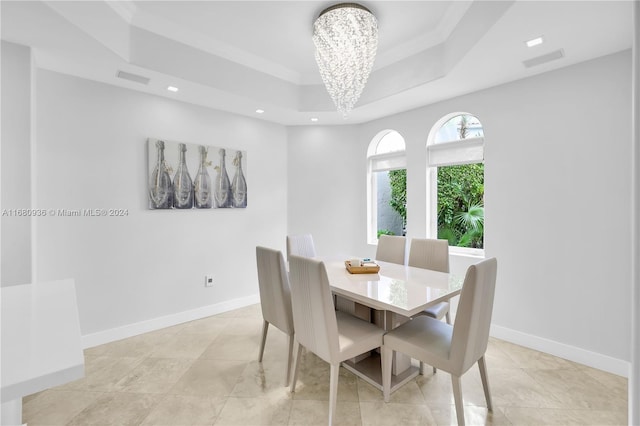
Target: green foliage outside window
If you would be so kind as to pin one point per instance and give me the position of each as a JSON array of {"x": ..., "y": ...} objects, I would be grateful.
[
  {"x": 398, "y": 183},
  {"x": 461, "y": 205}
]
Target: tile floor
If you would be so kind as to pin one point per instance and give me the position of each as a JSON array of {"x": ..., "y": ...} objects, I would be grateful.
[{"x": 205, "y": 373}]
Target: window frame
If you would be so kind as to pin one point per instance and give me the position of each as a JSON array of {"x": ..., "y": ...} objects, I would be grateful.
[
  {"x": 432, "y": 177},
  {"x": 399, "y": 160}
]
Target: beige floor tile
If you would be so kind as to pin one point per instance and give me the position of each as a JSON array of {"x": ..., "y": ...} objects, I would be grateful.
[
  {"x": 313, "y": 381},
  {"x": 446, "y": 415},
  {"x": 209, "y": 326},
  {"x": 103, "y": 373},
  {"x": 409, "y": 393},
  {"x": 140, "y": 346},
  {"x": 512, "y": 387},
  {"x": 209, "y": 377},
  {"x": 577, "y": 389},
  {"x": 56, "y": 407},
  {"x": 437, "y": 388},
  {"x": 312, "y": 413},
  {"x": 529, "y": 358},
  {"x": 244, "y": 325},
  {"x": 550, "y": 416},
  {"x": 263, "y": 379},
  {"x": 183, "y": 346},
  {"x": 612, "y": 382},
  {"x": 241, "y": 347},
  {"x": 212, "y": 377},
  {"x": 251, "y": 311},
  {"x": 497, "y": 357},
  {"x": 254, "y": 411},
  {"x": 390, "y": 414},
  {"x": 116, "y": 409},
  {"x": 154, "y": 375},
  {"x": 179, "y": 410}
]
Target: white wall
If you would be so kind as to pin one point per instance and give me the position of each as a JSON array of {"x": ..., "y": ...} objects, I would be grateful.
[
  {"x": 556, "y": 202},
  {"x": 327, "y": 188},
  {"x": 16, "y": 164},
  {"x": 91, "y": 148}
]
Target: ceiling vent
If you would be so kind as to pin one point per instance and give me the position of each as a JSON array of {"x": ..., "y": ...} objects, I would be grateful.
[
  {"x": 538, "y": 60},
  {"x": 133, "y": 77}
]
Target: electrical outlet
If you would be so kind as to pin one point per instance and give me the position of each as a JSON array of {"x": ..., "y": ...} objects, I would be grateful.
[{"x": 208, "y": 281}]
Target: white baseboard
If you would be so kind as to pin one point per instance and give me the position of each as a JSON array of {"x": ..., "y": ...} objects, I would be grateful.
[
  {"x": 562, "y": 350},
  {"x": 118, "y": 333}
]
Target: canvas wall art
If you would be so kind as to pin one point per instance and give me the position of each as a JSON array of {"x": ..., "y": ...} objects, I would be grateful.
[{"x": 190, "y": 176}]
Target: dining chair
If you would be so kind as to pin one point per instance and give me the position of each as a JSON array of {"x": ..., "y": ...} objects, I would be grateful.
[
  {"x": 451, "y": 348},
  {"x": 300, "y": 245},
  {"x": 391, "y": 248},
  {"x": 275, "y": 299},
  {"x": 333, "y": 336},
  {"x": 429, "y": 253}
]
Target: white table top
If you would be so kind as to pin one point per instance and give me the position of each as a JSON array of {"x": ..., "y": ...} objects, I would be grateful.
[
  {"x": 40, "y": 338},
  {"x": 404, "y": 290}
]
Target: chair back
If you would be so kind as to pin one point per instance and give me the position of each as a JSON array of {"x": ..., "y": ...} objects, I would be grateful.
[
  {"x": 391, "y": 249},
  {"x": 275, "y": 294},
  {"x": 428, "y": 253},
  {"x": 314, "y": 316},
  {"x": 473, "y": 317},
  {"x": 300, "y": 245}
]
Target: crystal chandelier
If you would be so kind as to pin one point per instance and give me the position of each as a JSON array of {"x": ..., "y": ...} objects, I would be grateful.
[{"x": 346, "y": 39}]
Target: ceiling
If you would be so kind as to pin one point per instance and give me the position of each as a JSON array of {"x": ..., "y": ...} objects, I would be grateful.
[{"x": 240, "y": 56}]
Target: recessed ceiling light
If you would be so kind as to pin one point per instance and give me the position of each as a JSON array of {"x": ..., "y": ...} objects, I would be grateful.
[
  {"x": 314, "y": 119},
  {"x": 260, "y": 111},
  {"x": 534, "y": 41},
  {"x": 172, "y": 89}
]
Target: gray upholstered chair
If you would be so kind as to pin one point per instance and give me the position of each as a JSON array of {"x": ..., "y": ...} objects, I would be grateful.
[
  {"x": 431, "y": 254},
  {"x": 456, "y": 348},
  {"x": 332, "y": 336},
  {"x": 300, "y": 245},
  {"x": 391, "y": 249},
  {"x": 427, "y": 253},
  {"x": 275, "y": 299}
]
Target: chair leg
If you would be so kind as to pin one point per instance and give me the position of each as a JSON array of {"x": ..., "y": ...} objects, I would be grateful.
[
  {"x": 482, "y": 365},
  {"x": 289, "y": 360},
  {"x": 296, "y": 364},
  {"x": 457, "y": 396},
  {"x": 265, "y": 328},
  {"x": 386, "y": 354},
  {"x": 333, "y": 391}
]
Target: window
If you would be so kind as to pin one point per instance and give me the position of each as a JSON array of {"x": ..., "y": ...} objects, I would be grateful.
[
  {"x": 386, "y": 185},
  {"x": 455, "y": 183}
]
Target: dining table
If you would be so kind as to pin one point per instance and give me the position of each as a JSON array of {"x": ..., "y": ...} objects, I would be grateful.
[
  {"x": 389, "y": 297},
  {"x": 41, "y": 342}
]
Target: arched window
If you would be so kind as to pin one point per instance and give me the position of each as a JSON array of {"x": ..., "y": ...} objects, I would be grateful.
[
  {"x": 455, "y": 183},
  {"x": 386, "y": 185}
]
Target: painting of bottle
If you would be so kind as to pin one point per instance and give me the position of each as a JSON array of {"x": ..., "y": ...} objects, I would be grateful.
[
  {"x": 239, "y": 185},
  {"x": 182, "y": 183},
  {"x": 202, "y": 183},
  {"x": 160, "y": 188}
]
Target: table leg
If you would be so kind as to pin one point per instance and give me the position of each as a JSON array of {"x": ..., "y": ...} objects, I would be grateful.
[{"x": 369, "y": 368}]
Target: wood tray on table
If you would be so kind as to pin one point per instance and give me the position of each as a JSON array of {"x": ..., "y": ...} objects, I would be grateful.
[{"x": 366, "y": 268}]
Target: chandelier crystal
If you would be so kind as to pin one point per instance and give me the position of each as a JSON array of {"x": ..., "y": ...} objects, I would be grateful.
[{"x": 346, "y": 39}]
